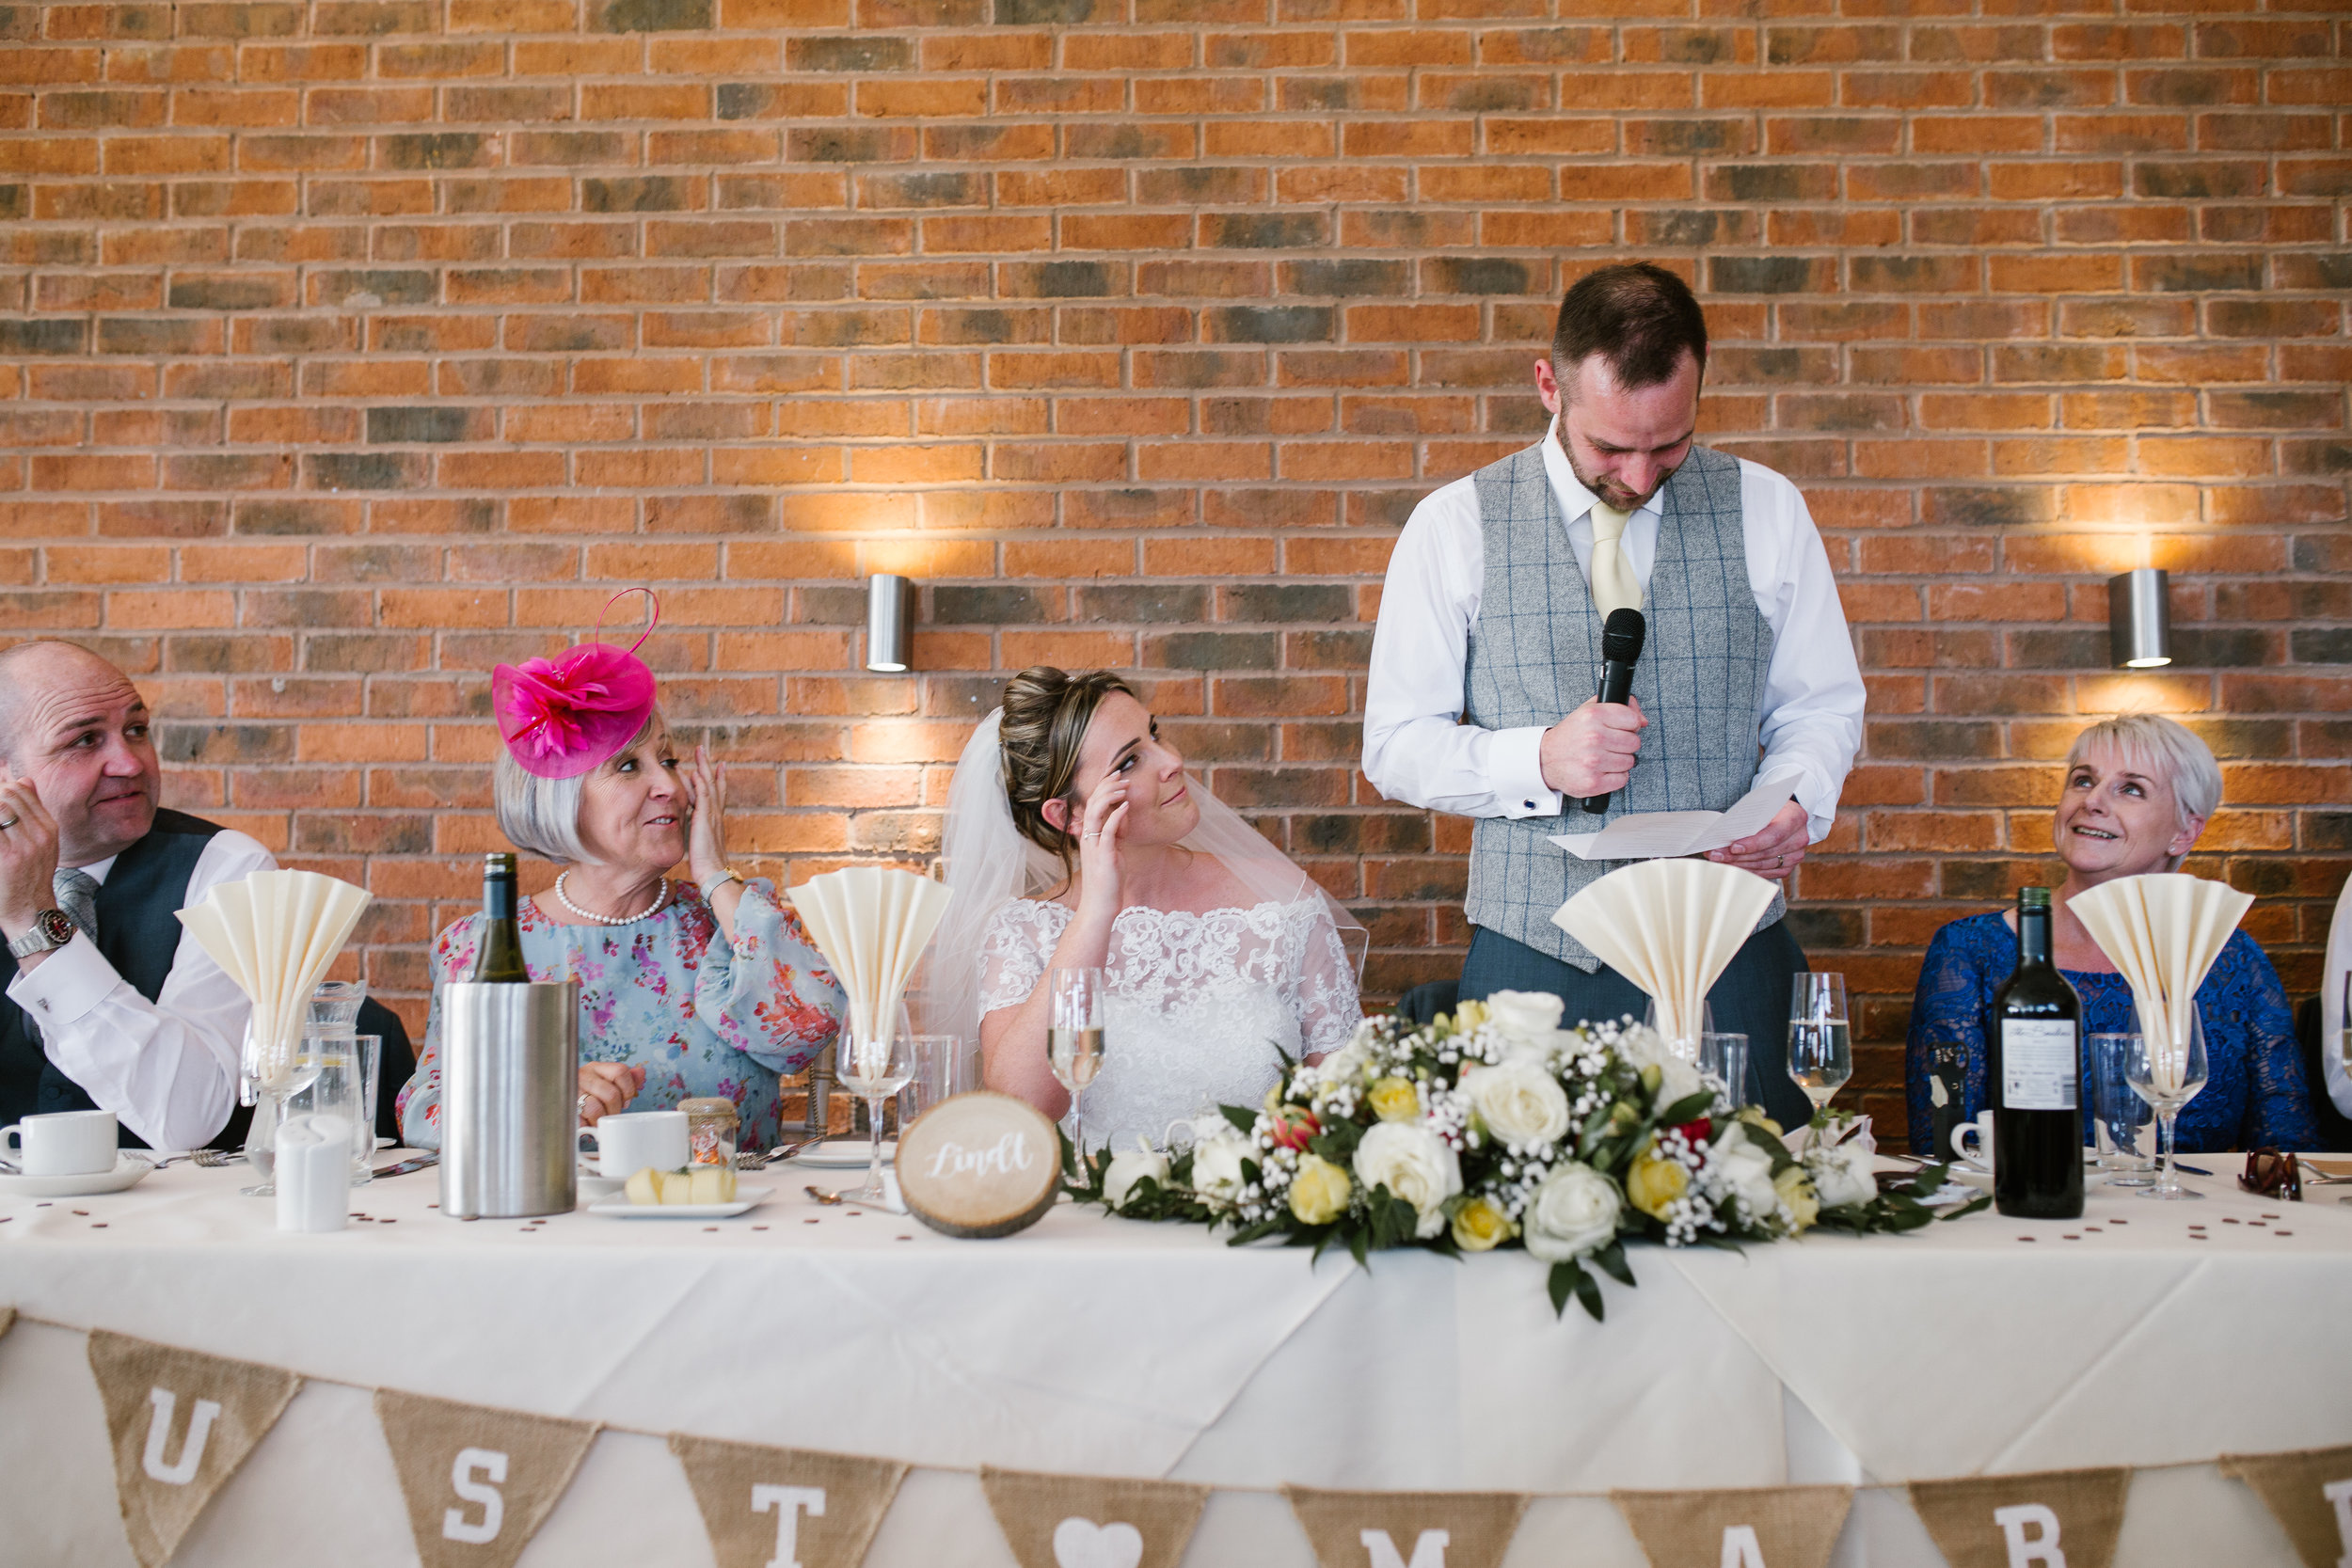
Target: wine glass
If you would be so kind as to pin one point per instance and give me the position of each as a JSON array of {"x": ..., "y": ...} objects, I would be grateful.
[
  {"x": 1821, "y": 1046},
  {"x": 875, "y": 1069},
  {"x": 267, "y": 1091},
  {"x": 1073, "y": 1041},
  {"x": 2167, "y": 1075}
]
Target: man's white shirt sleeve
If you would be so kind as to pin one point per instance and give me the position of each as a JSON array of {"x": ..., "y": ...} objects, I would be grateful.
[
  {"x": 1416, "y": 749},
  {"x": 167, "y": 1067}
]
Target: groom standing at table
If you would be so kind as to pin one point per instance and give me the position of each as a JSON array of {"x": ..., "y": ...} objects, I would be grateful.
[{"x": 1487, "y": 656}]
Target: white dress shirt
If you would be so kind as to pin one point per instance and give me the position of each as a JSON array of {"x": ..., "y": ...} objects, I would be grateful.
[
  {"x": 167, "y": 1069},
  {"x": 2332, "y": 1003},
  {"x": 1416, "y": 748}
]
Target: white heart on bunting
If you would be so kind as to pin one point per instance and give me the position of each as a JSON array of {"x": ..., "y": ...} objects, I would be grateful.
[{"x": 1084, "y": 1544}]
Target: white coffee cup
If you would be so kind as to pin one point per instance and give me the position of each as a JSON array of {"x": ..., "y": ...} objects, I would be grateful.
[
  {"x": 61, "y": 1142},
  {"x": 1980, "y": 1158},
  {"x": 629, "y": 1141}
]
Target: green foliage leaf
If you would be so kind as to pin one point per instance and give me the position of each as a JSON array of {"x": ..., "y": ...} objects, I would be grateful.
[
  {"x": 1245, "y": 1121},
  {"x": 1588, "y": 1295},
  {"x": 1562, "y": 1284},
  {"x": 1611, "y": 1261},
  {"x": 1689, "y": 1108}
]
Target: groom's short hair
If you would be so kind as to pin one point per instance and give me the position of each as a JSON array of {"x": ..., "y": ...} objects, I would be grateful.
[{"x": 1638, "y": 316}]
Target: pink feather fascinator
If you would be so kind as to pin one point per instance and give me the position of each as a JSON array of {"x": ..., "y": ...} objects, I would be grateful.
[{"x": 561, "y": 717}]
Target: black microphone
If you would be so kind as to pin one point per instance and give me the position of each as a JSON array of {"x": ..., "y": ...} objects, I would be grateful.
[{"x": 1621, "y": 637}]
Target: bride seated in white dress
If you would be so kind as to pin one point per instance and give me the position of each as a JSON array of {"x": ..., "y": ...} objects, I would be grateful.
[{"x": 1220, "y": 951}]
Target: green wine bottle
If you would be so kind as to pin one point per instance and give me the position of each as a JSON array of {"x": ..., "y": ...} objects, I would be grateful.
[
  {"x": 2034, "y": 1076},
  {"x": 500, "y": 958}
]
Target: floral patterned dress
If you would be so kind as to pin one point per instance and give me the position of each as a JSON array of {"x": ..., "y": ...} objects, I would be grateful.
[
  {"x": 2255, "y": 1093},
  {"x": 667, "y": 994}
]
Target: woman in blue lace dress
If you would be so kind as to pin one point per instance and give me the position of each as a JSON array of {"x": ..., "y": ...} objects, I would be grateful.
[{"x": 2138, "y": 791}]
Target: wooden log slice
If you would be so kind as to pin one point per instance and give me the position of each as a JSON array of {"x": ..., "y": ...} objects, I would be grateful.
[{"x": 980, "y": 1164}]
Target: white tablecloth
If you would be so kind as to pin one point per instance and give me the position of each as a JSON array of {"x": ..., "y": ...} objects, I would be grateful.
[{"x": 1091, "y": 1344}]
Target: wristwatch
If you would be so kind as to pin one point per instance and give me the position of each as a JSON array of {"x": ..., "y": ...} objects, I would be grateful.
[{"x": 52, "y": 928}]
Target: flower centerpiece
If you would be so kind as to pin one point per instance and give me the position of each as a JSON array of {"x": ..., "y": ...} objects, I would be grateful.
[{"x": 1495, "y": 1127}]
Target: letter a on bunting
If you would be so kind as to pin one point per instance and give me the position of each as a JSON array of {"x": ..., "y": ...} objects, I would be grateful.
[
  {"x": 181, "y": 1423},
  {"x": 1764, "y": 1526},
  {"x": 1407, "y": 1529},
  {"x": 479, "y": 1482},
  {"x": 2310, "y": 1492},
  {"x": 2056, "y": 1519},
  {"x": 1092, "y": 1522},
  {"x": 785, "y": 1508}
]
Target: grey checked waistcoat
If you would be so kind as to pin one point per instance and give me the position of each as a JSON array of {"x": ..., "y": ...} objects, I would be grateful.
[{"x": 1534, "y": 655}]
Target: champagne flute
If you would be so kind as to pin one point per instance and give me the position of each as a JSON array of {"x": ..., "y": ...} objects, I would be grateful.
[
  {"x": 875, "y": 1070},
  {"x": 1820, "y": 1049},
  {"x": 2167, "y": 1075},
  {"x": 1073, "y": 1041}
]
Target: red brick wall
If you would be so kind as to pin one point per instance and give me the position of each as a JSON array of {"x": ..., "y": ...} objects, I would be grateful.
[{"x": 351, "y": 347}]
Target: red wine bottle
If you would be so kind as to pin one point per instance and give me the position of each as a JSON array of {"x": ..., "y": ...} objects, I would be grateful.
[
  {"x": 2033, "y": 1074},
  {"x": 500, "y": 958}
]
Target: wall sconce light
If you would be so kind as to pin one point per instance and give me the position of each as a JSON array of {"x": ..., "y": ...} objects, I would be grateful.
[
  {"x": 889, "y": 623},
  {"x": 2139, "y": 619}
]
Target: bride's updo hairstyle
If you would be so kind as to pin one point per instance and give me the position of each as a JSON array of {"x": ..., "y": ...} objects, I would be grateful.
[{"x": 1046, "y": 714}]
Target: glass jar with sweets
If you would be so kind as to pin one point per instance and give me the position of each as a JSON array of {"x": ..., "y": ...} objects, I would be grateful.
[{"x": 711, "y": 1127}]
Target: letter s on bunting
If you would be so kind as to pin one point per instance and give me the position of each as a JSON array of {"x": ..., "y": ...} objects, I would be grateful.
[
  {"x": 508, "y": 1468},
  {"x": 455, "y": 1524}
]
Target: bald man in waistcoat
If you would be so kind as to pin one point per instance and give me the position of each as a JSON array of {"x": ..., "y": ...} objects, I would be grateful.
[{"x": 1487, "y": 658}]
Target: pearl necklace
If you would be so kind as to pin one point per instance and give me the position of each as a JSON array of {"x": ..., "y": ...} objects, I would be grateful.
[{"x": 659, "y": 899}]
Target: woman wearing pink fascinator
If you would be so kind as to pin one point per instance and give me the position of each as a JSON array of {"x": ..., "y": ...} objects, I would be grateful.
[{"x": 692, "y": 989}]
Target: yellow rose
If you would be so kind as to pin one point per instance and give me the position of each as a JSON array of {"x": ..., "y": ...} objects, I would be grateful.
[
  {"x": 1798, "y": 1196},
  {"x": 1481, "y": 1226},
  {"x": 1469, "y": 1016},
  {"x": 1651, "y": 1183},
  {"x": 1756, "y": 1116},
  {"x": 1394, "y": 1100},
  {"x": 1319, "y": 1191}
]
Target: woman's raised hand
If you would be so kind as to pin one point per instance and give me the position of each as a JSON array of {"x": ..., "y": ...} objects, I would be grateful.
[
  {"x": 1099, "y": 860},
  {"x": 707, "y": 838}
]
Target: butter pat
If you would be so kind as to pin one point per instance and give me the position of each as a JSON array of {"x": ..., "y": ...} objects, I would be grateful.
[{"x": 685, "y": 1185}]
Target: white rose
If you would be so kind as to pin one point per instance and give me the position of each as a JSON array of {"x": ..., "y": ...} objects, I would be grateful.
[
  {"x": 1415, "y": 1165},
  {"x": 1643, "y": 1046},
  {"x": 1842, "y": 1174},
  {"x": 1575, "y": 1211},
  {"x": 1525, "y": 1018},
  {"x": 1126, "y": 1169},
  {"x": 1746, "y": 1173},
  {"x": 1216, "y": 1173},
  {"x": 1521, "y": 1102},
  {"x": 1676, "y": 1079}
]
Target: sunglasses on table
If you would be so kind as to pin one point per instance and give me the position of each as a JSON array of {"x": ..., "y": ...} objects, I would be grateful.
[{"x": 2272, "y": 1174}]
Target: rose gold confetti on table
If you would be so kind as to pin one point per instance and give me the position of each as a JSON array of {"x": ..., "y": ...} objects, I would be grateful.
[
  {"x": 2025, "y": 1238},
  {"x": 2282, "y": 1233},
  {"x": 2118, "y": 1222},
  {"x": 2070, "y": 1236},
  {"x": 906, "y": 1238},
  {"x": 2231, "y": 1220},
  {"x": 388, "y": 1222},
  {"x": 811, "y": 1220},
  {"x": 97, "y": 1224},
  {"x": 84, "y": 1213}
]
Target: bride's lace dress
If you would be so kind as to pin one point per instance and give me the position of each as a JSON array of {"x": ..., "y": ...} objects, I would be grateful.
[{"x": 1198, "y": 1004}]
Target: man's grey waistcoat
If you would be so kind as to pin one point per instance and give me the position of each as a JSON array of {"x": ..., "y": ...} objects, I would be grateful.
[{"x": 1535, "y": 656}]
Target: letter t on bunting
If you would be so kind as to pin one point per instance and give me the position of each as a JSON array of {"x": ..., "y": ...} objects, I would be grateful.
[
  {"x": 1407, "y": 1529},
  {"x": 1764, "y": 1526},
  {"x": 479, "y": 1482},
  {"x": 1091, "y": 1520},
  {"x": 786, "y": 1508},
  {"x": 2056, "y": 1519},
  {"x": 2310, "y": 1492},
  {"x": 181, "y": 1423}
]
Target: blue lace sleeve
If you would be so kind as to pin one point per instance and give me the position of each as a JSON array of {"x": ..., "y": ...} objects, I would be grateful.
[
  {"x": 2279, "y": 1101},
  {"x": 1948, "y": 1005}
]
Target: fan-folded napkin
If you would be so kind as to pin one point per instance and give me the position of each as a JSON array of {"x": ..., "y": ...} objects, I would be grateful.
[
  {"x": 2164, "y": 933},
  {"x": 871, "y": 924},
  {"x": 1671, "y": 927},
  {"x": 274, "y": 933}
]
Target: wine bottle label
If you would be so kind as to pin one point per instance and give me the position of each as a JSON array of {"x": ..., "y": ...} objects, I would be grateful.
[{"x": 2037, "y": 1065}]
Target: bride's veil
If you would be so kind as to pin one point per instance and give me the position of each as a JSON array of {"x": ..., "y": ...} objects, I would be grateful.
[{"x": 987, "y": 863}]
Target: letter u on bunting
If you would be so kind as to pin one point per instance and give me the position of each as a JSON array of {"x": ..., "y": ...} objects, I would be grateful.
[
  {"x": 786, "y": 1508},
  {"x": 2056, "y": 1519},
  {"x": 1091, "y": 1520},
  {"x": 479, "y": 1482},
  {"x": 1764, "y": 1526},
  {"x": 1407, "y": 1529},
  {"x": 181, "y": 1423},
  {"x": 2310, "y": 1492}
]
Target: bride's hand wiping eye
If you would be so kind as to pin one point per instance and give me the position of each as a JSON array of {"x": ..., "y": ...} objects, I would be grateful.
[{"x": 1099, "y": 859}]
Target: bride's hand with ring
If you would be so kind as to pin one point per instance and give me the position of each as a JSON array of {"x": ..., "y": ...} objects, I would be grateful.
[{"x": 1100, "y": 862}]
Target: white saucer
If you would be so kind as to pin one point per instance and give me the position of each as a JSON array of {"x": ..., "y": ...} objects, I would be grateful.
[
  {"x": 845, "y": 1154},
  {"x": 745, "y": 1198},
  {"x": 130, "y": 1170}
]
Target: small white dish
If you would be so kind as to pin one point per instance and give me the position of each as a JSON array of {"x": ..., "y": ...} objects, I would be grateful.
[
  {"x": 746, "y": 1198},
  {"x": 845, "y": 1154},
  {"x": 130, "y": 1170},
  {"x": 595, "y": 1189}
]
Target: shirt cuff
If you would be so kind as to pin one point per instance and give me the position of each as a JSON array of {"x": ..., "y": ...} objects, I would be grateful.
[
  {"x": 1816, "y": 794},
  {"x": 1515, "y": 772},
  {"x": 63, "y": 987}
]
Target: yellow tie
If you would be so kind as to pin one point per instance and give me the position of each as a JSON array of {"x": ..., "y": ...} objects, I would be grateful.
[{"x": 1614, "y": 586}]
